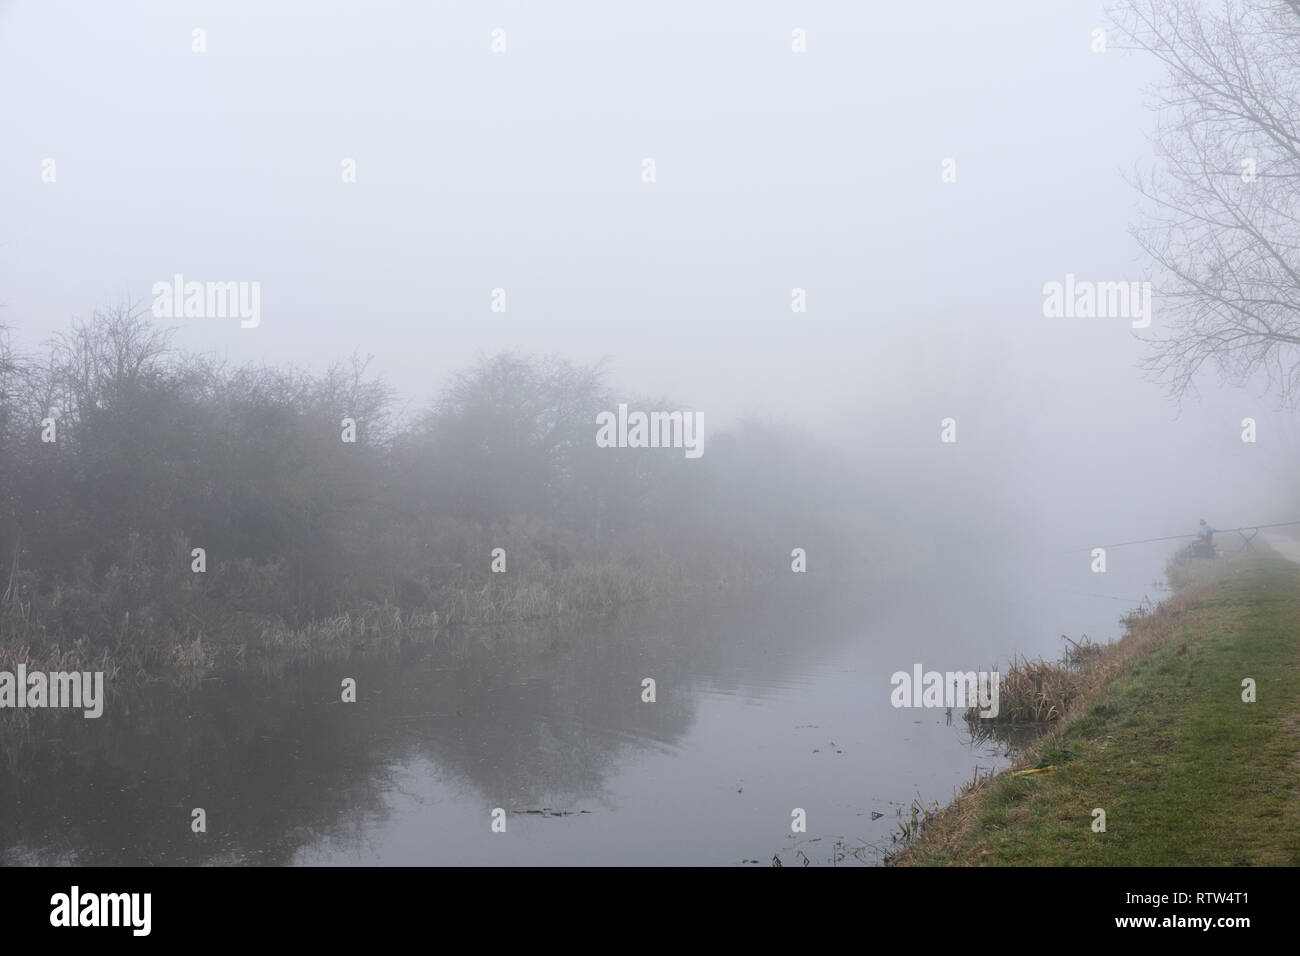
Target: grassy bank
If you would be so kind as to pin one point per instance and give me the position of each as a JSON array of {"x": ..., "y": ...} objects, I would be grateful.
[
  {"x": 1187, "y": 773},
  {"x": 213, "y": 638}
]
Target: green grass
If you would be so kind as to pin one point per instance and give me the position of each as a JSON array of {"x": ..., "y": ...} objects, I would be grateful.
[{"x": 1187, "y": 773}]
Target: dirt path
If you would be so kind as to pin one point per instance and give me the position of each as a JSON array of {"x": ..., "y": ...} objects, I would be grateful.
[{"x": 1284, "y": 545}]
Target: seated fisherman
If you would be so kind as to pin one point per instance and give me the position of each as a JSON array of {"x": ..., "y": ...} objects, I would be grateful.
[{"x": 1205, "y": 539}]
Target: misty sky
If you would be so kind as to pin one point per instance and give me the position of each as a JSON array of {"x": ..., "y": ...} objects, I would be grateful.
[{"x": 522, "y": 170}]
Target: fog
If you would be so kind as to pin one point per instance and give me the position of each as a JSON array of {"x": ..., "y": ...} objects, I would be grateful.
[{"x": 523, "y": 171}]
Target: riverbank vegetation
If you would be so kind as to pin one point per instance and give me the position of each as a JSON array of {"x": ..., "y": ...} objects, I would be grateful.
[
  {"x": 121, "y": 455},
  {"x": 1160, "y": 738}
]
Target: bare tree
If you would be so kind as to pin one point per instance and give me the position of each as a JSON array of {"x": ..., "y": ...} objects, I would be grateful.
[{"x": 1221, "y": 217}]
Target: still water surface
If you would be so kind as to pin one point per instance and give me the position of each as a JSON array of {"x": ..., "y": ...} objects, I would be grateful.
[{"x": 777, "y": 701}]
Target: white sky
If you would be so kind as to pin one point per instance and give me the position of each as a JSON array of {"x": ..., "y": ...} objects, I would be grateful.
[{"x": 522, "y": 170}]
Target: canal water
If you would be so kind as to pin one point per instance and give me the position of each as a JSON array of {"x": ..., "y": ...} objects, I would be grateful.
[{"x": 764, "y": 704}]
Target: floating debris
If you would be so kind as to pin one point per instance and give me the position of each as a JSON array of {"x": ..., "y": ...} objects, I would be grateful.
[
  {"x": 548, "y": 812},
  {"x": 1043, "y": 771}
]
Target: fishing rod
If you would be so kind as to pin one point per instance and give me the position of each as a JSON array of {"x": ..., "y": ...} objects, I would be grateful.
[
  {"x": 1177, "y": 537},
  {"x": 1109, "y": 597}
]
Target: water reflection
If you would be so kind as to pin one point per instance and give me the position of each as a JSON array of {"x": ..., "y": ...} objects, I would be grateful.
[{"x": 775, "y": 702}]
